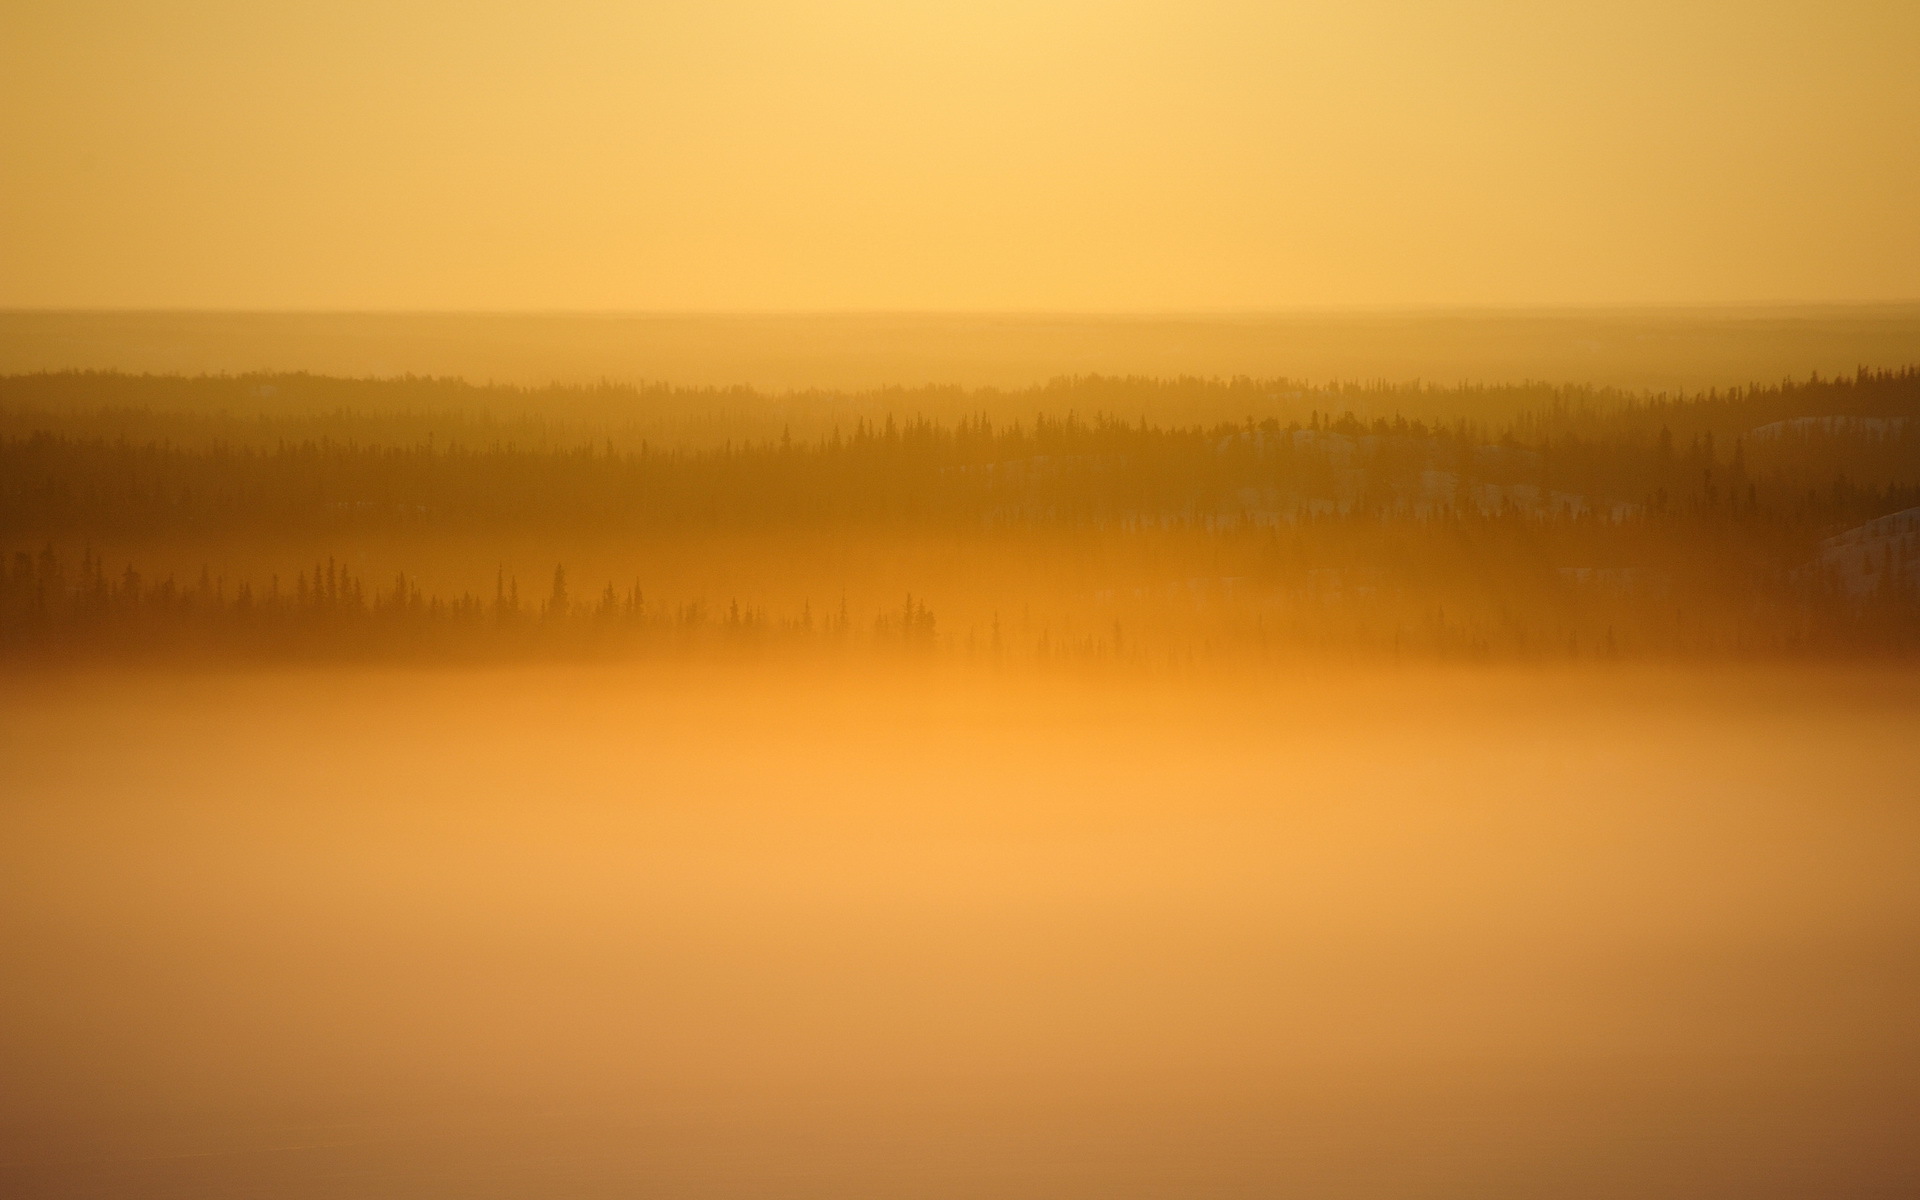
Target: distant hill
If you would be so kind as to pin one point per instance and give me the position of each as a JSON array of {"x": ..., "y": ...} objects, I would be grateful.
[{"x": 1635, "y": 349}]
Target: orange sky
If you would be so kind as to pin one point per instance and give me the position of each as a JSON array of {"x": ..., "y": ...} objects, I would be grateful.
[{"x": 883, "y": 154}]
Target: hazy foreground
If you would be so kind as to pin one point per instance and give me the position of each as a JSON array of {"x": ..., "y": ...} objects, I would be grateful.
[{"x": 762, "y": 933}]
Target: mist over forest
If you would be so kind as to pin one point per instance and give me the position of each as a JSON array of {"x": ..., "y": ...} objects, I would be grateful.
[
  {"x": 1096, "y": 519},
  {"x": 1062, "y": 600}
]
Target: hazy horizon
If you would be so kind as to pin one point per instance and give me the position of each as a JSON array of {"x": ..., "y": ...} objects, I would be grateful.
[
  {"x": 975, "y": 599},
  {"x": 1635, "y": 348}
]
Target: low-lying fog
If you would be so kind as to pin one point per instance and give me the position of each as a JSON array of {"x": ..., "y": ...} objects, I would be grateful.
[{"x": 765, "y": 932}]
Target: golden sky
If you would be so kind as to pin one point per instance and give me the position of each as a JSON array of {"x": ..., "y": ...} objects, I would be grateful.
[{"x": 938, "y": 154}]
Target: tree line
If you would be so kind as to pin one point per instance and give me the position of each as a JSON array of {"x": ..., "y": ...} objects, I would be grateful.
[
  {"x": 1756, "y": 519},
  {"x": 1708, "y": 456}
]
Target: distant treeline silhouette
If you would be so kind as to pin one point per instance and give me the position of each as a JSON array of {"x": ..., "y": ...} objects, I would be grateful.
[
  {"x": 1767, "y": 518},
  {"x": 1708, "y": 456},
  {"x": 262, "y": 409},
  {"x": 51, "y": 607}
]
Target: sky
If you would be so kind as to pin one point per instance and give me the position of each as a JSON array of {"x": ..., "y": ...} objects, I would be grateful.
[{"x": 992, "y": 155}]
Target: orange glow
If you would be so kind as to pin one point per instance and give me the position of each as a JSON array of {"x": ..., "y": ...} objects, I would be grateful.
[
  {"x": 1057, "y": 154},
  {"x": 866, "y": 599},
  {"x": 745, "y": 933}
]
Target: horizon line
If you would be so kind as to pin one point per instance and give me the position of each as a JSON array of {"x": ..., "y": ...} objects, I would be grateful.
[{"x": 1218, "y": 314}]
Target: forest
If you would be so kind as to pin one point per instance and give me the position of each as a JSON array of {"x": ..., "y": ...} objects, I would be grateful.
[{"x": 1090, "y": 519}]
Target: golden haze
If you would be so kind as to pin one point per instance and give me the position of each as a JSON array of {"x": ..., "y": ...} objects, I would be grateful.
[
  {"x": 883, "y": 746},
  {"x": 1124, "y": 155}
]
